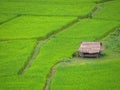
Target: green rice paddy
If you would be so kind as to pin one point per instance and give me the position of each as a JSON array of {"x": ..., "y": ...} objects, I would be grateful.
[
  {"x": 4, "y": 17},
  {"x": 100, "y": 76},
  {"x": 33, "y": 27},
  {"x": 112, "y": 8},
  {"x": 91, "y": 74},
  {"x": 51, "y": 31},
  {"x": 38, "y": 8}
]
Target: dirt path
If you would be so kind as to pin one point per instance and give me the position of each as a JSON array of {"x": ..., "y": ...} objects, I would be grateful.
[
  {"x": 50, "y": 76},
  {"x": 95, "y": 10}
]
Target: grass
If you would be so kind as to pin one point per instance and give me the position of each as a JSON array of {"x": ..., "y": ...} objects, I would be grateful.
[
  {"x": 4, "y": 17},
  {"x": 95, "y": 29},
  {"x": 35, "y": 76},
  {"x": 100, "y": 76},
  {"x": 63, "y": 48},
  {"x": 55, "y": 1},
  {"x": 109, "y": 11},
  {"x": 91, "y": 74},
  {"x": 40, "y": 18},
  {"x": 38, "y": 8},
  {"x": 13, "y": 55},
  {"x": 26, "y": 27},
  {"x": 112, "y": 43}
]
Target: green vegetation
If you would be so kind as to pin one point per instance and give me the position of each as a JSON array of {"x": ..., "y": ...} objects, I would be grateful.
[
  {"x": 115, "y": 42},
  {"x": 51, "y": 1},
  {"x": 90, "y": 28},
  {"x": 30, "y": 8},
  {"x": 91, "y": 74},
  {"x": 24, "y": 22},
  {"x": 100, "y": 76},
  {"x": 109, "y": 10},
  {"x": 4, "y": 17},
  {"x": 54, "y": 50},
  {"x": 13, "y": 55},
  {"x": 112, "y": 43},
  {"x": 64, "y": 47},
  {"x": 33, "y": 27}
]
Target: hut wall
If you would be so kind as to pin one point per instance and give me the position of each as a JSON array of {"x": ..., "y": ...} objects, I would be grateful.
[{"x": 90, "y": 55}]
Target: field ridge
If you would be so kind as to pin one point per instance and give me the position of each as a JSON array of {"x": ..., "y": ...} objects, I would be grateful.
[{"x": 10, "y": 19}]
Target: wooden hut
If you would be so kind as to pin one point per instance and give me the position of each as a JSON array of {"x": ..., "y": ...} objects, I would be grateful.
[{"x": 90, "y": 49}]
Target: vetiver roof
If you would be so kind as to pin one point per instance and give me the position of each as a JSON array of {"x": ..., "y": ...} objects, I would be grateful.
[{"x": 91, "y": 47}]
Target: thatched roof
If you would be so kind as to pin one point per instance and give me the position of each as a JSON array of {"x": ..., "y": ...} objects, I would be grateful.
[{"x": 91, "y": 47}]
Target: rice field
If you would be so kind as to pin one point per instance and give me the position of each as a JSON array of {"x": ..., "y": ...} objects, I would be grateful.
[
  {"x": 13, "y": 55},
  {"x": 30, "y": 8},
  {"x": 24, "y": 27},
  {"x": 91, "y": 74},
  {"x": 90, "y": 28},
  {"x": 100, "y": 76},
  {"x": 4, "y": 17},
  {"x": 49, "y": 32},
  {"x": 113, "y": 13},
  {"x": 57, "y": 1}
]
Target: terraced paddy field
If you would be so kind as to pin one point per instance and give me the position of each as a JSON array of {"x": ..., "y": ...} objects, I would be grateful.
[
  {"x": 5, "y": 18},
  {"x": 38, "y": 38},
  {"x": 37, "y": 27},
  {"x": 91, "y": 74},
  {"x": 86, "y": 77},
  {"x": 112, "y": 11},
  {"x": 46, "y": 8}
]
